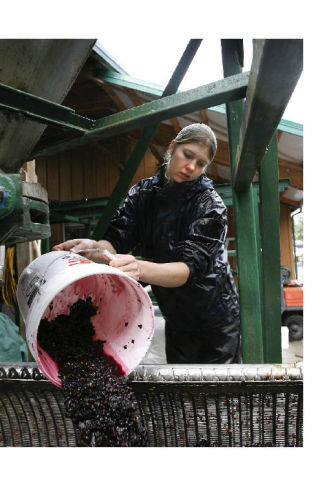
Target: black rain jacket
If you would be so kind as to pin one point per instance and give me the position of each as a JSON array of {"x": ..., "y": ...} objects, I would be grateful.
[{"x": 185, "y": 222}]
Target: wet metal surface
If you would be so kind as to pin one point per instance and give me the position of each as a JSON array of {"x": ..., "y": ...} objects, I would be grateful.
[{"x": 222, "y": 406}]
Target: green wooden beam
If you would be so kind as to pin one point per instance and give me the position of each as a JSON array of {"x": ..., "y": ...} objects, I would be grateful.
[
  {"x": 45, "y": 246},
  {"x": 42, "y": 110},
  {"x": 63, "y": 218},
  {"x": 270, "y": 232},
  {"x": 74, "y": 205},
  {"x": 128, "y": 82},
  {"x": 275, "y": 71},
  {"x": 256, "y": 214},
  {"x": 142, "y": 145},
  {"x": 212, "y": 94},
  {"x": 246, "y": 228}
]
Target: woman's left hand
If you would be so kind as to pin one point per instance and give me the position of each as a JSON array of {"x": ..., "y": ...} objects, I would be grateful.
[{"x": 128, "y": 264}]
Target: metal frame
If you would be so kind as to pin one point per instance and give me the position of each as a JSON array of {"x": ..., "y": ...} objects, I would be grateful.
[{"x": 42, "y": 110}]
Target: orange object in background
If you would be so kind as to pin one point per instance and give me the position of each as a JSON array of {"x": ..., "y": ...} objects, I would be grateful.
[{"x": 293, "y": 295}]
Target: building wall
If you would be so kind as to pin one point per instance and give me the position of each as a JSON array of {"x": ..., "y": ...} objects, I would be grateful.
[{"x": 87, "y": 172}]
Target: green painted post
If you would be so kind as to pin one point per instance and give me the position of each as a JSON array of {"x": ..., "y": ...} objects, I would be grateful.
[
  {"x": 87, "y": 226},
  {"x": 270, "y": 232},
  {"x": 143, "y": 144},
  {"x": 275, "y": 70},
  {"x": 45, "y": 246},
  {"x": 256, "y": 199},
  {"x": 246, "y": 227}
]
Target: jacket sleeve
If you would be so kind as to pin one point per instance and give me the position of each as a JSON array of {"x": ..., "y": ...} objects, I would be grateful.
[
  {"x": 123, "y": 230},
  {"x": 204, "y": 245}
]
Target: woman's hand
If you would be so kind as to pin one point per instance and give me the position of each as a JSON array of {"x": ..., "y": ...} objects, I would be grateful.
[
  {"x": 85, "y": 245},
  {"x": 170, "y": 274},
  {"x": 127, "y": 264},
  {"x": 76, "y": 244}
]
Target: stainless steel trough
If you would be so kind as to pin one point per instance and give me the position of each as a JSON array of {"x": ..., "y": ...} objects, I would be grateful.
[{"x": 223, "y": 406}]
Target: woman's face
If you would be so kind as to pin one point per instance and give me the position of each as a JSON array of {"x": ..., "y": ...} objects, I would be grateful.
[{"x": 188, "y": 161}]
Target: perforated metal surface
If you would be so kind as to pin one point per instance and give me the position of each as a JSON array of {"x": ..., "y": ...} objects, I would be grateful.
[
  {"x": 228, "y": 406},
  {"x": 33, "y": 415}
]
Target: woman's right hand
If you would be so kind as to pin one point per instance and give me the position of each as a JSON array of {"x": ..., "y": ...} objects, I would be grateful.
[{"x": 76, "y": 244}]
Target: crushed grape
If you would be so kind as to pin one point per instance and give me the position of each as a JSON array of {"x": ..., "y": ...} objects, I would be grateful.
[{"x": 96, "y": 395}]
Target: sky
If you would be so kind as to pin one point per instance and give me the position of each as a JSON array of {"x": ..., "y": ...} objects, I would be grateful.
[{"x": 155, "y": 61}]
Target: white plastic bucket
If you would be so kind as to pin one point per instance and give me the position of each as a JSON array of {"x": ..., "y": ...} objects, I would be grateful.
[{"x": 55, "y": 281}]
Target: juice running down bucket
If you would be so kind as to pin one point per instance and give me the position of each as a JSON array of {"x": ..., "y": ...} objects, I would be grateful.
[{"x": 53, "y": 282}]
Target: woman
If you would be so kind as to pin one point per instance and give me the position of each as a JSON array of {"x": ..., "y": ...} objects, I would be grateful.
[{"x": 178, "y": 223}]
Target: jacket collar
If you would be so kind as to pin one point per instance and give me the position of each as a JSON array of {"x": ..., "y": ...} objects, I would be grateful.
[{"x": 199, "y": 184}]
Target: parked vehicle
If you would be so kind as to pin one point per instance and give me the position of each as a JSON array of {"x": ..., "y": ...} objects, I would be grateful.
[{"x": 291, "y": 305}]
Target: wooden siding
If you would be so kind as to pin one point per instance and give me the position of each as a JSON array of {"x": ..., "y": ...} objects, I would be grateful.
[
  {"x": 286, "y": 241},
  {"x": 86, "y": 173}
]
